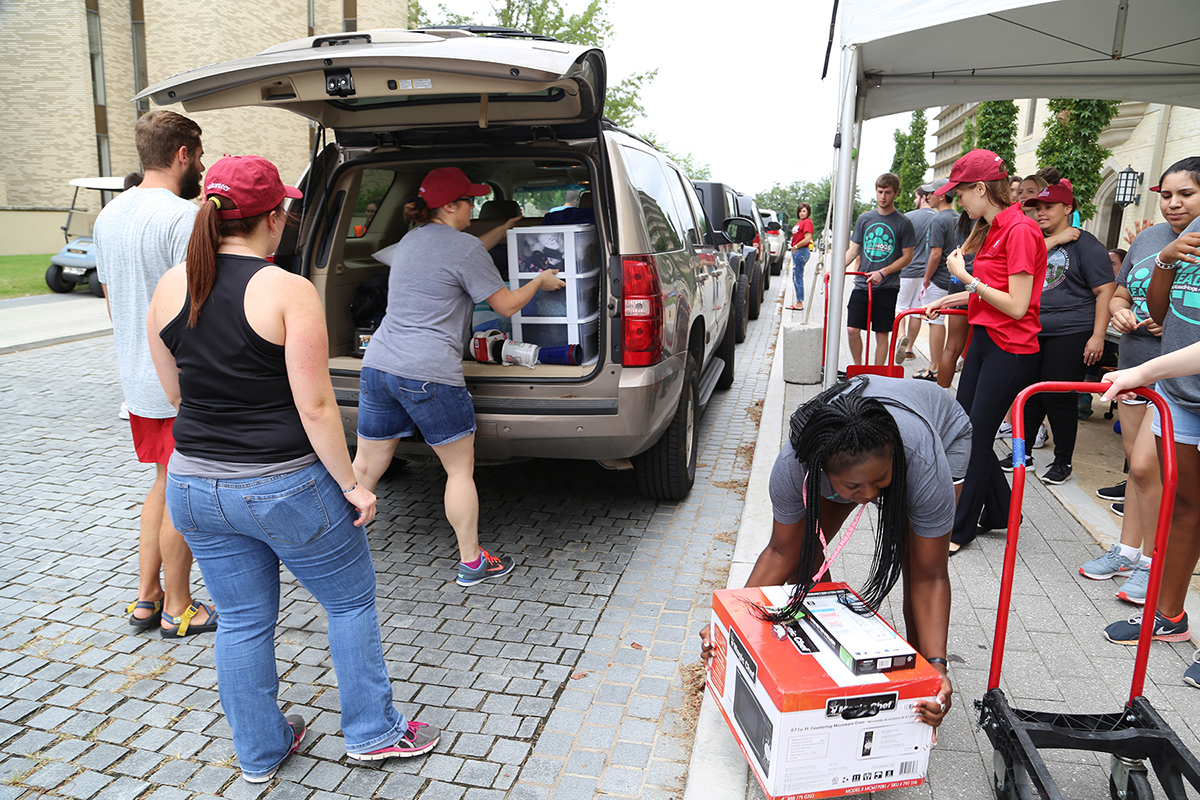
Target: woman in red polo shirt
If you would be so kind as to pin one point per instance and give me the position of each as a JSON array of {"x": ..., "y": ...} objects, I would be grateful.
[{"x": 1003, "y": 299}]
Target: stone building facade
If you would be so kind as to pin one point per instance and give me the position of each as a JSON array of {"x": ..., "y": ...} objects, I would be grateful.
[
  {"x": 67, "y": 97},
  {"x": 1148, "y": 137}
]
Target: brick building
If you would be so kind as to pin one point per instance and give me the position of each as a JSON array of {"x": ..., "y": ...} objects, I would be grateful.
[
  {"x": 67, "y": 97},
  {"x": 1149, "y": 137}
]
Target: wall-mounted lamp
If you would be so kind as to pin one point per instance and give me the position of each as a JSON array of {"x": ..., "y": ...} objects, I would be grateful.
[{"x": 1128, "y": 182}]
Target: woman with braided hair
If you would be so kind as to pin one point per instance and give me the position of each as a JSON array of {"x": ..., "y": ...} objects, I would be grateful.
[{"x": 902, "y": 445}]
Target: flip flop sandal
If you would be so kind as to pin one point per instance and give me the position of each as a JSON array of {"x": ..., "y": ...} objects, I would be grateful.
[
  {"x": 182, "y": 625},
  {"x": 144, "y": 623},
  {"x": 925, "y": 375}
]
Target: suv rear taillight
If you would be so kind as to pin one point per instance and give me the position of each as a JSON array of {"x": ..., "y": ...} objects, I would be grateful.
[{"x": 641, "y": 312}]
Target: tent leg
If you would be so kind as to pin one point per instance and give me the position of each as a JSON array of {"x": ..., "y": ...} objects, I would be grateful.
[{"x": 841, "y": 209}]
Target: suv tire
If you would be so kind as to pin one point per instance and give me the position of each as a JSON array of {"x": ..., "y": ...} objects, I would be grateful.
[
  {"x": 777, "y": 264},
  {"x": 756, "y": 291},
  {"x": 726, "y": 353},
  {"x": 668, "y": 469},
  {"x": 766, "y": 275},
  {"x": 741, "y": 308}
]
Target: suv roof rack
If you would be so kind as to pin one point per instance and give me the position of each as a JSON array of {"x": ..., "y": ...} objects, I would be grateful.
[{"x": 490, "y": 30}]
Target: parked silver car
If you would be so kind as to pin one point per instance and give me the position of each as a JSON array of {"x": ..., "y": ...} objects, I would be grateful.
[{"x": 649, "y": 288}]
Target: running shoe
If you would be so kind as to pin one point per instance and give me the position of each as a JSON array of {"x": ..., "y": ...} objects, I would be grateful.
[
  {"x": 1004, "y": 431},
  {"x": 1058, "y": 473},
  {"x": 1109, "y": 565},
  {"x": 1043, "y": 434},
  {"x": 1114, "y": 494},
  {"x": 1134, "y": 590},
  {"x": 1127, "y": 631},
  {"x": 419, "y": 739},
  {"x": 1192, "y": 676},
  {"x": 1118, "y": 509},
  {"x": 298, "y": 730},
  {"x": 1007, "y": 465},
  {"x": 489, "y": 567}
]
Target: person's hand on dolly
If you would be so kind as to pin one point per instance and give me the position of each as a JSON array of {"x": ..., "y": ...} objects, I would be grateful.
[
  {"x": 932, "y": 712},
  {"x": 874, "y": 277}
]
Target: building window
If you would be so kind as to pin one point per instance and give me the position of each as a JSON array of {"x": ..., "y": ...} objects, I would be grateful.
[
  {"x": 349, "y": 15},
  {"x": 98, "y": 95},
  {"x": 141, "y": 77},
  {"x": 1032, "y": 112}
]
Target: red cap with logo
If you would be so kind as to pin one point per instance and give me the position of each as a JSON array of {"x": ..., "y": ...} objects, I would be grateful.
[
  {"x": 977, "y": 165},
  {"x": 251, "y": 182},
  {"x": 1054, "y": 193},
  {"x": 447, "y": 184}
]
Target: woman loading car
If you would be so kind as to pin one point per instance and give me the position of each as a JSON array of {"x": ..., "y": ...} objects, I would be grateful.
[{"x": 412, "y": 376}]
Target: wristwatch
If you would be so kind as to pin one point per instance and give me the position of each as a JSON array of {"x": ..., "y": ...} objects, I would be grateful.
[{"x": 973, "y": 286}]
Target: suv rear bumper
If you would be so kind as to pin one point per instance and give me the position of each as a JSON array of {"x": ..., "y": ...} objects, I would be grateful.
[{"x": 582, "y": 428}]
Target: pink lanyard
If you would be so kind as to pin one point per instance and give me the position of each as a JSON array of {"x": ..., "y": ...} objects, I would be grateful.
[{"x": 829, "y": 558}]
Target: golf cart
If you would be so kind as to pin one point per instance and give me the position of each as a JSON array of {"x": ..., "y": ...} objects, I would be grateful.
[{"x": 76, "y": 262}]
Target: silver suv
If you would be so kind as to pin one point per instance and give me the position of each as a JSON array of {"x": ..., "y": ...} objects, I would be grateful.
[{"x": 649, "y": 285}]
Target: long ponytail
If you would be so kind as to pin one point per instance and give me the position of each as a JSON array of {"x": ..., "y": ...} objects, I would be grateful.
[
  {"x": 207, "y": 232},
  {"x": 839, "y": 429}
]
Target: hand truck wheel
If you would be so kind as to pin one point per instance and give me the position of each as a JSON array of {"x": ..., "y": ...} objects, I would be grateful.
[{"x": 1137, "y": 787}]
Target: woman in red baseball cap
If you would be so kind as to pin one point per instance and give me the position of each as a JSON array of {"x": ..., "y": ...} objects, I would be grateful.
[
  {"x": 261, "y": 474},
  {"x": 1003, "y": 297},
  {"x": 412, "y": 375}
]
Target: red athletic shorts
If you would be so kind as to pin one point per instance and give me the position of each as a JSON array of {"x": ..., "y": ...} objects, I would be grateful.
[{"x": 152, "y": 439}]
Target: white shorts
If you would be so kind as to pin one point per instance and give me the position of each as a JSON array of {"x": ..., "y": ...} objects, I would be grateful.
[
  {"x": 910, "y": 294},
  {"x": 932, "y": 294}
]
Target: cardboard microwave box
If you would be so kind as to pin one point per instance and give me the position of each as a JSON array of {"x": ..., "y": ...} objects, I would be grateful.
[{"x": 809, "y": 726}]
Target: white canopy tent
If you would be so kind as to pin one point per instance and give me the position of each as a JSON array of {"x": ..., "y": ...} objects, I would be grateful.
[{"x": 901, "y": 55}]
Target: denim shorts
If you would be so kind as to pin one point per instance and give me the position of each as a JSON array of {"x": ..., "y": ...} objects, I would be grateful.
[
  {"x": 1186, "y": 423},
  {"x": 390, "y": 407}
]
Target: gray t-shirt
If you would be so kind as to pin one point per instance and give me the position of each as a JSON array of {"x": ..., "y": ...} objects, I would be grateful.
[
  {"x": 140, "y": 235},
  {"x": 921, "y": 218},
  {"x": 943, "y": 233},
  {"x": 438, "y": 275},
  {"x": 1181, "y": 328},
  {"x": 937, "y": 446},
  {"x": 881, "y": 240},
  {"x": 1140, "y": 345},
  {"x": 1072, "y": 271}
]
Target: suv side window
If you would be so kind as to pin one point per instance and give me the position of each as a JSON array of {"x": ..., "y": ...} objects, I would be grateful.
[
  {"x": 698, "y": 211},
  {"x": 371, "y": 193},
  {"x": 686, "y": 209},
  {"x": 663, "y": 222}
]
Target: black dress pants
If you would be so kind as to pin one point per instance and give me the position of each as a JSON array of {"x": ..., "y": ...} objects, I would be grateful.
[
  {"x": 1060, "y": 359},
  {"x": 990, "y": 380}
]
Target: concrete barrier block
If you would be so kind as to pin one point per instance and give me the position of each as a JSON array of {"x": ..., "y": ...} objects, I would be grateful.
[{"x": 802, "y": 345}]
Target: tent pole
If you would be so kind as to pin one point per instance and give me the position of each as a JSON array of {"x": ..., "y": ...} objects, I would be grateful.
[{"x": 841, "y": 209}]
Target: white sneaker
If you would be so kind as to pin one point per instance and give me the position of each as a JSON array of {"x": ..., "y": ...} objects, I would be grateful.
[
  {"x": 959, "y": 364},
  {"x": 124, "y": 412},
  {"x": 1004, "y": 430},
  {"x": 1039, "y": 441}
]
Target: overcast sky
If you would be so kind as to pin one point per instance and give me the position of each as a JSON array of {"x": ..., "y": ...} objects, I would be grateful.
[{"x": 739, "y": 85}]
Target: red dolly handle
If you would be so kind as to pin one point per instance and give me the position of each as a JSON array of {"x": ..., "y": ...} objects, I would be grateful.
[
  {"x": 1170, "y": 482},
  {"x": 909, "y": 312}
]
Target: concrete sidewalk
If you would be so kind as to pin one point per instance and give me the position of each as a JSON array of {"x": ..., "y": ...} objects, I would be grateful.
[
  {"x": 1056, "y": 657},
  {"x": 40, "y": 320}
]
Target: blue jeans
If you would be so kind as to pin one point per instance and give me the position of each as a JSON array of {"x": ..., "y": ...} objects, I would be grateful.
[
  {"x": 239, "y": 531},
  {"x": 799, "y": 259}
]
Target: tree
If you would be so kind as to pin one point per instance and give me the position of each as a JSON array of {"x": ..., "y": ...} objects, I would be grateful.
[
  {"x": 1071, "y": 145},
  {"x": 908, "y": 160},
  {"x": 622, "y": 102},
  {"x": 784, "y": 199},
  {"x": 996, "y": 129}
]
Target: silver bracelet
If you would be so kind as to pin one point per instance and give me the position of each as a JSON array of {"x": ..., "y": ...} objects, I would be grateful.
[{"x": 1158, "y": 262}]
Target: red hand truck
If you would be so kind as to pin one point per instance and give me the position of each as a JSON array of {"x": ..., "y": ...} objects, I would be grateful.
[{"x": 1132, "y": 736}]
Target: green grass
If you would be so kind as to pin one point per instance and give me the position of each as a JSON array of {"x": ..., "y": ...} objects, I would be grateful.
[{"x": 24, "y": 275}]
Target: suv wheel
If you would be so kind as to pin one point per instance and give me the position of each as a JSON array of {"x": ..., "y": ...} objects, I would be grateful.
[
  {"x": 741, "y": 308},
  {"x": 668, "y": 469},
  {"x": 725, "y": 353},
  {"x": 766, "y": 274},
  {"x": 756, "y": 291},
  {"x": 777, "y": 264}
]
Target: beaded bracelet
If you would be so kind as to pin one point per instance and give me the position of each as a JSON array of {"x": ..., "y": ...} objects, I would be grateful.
[
  {"x": 351, "y": 489},
  {"x": 1158, "y": 262}
]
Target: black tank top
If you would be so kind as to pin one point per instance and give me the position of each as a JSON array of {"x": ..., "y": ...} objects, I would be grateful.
[{"x": 236, "y": 400}]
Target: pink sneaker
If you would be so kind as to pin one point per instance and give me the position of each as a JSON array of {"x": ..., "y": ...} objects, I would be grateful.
[
  {"x": 298, "y": 730},
  {"x": 414, "y": 742}
]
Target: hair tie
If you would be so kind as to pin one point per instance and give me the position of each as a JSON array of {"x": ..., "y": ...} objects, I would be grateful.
[{"x": 216, "y": 200}]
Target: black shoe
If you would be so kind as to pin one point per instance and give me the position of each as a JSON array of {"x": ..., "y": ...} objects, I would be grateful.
[
  {"x": 1007, "y": 466},
  {"x": 1112, "y": 493},
  {"x": 1118, "y": 509},
  {"x": 1058, "y": 473}
]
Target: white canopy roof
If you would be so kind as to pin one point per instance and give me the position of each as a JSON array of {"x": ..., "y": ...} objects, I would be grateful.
[{"x": 925, "y": 53}]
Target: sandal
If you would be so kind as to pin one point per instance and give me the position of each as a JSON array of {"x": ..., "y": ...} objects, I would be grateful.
[
  {"x": 182, "y": 625},
  {"x": 925, "y": 375},
  {"x": 144, "y": 623},
  {"x": 795, "y": 307}
]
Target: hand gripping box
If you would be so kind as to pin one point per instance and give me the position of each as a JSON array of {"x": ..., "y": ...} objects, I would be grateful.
[{"x": 807, "y": 724}]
